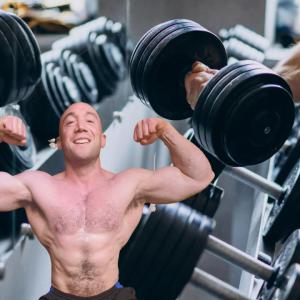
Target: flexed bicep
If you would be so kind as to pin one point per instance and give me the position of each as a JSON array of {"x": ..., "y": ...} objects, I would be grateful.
[{"x": 168, "y": 185}]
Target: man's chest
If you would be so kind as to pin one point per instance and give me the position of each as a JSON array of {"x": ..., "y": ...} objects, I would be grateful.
[{"x": 68, "y": 210}]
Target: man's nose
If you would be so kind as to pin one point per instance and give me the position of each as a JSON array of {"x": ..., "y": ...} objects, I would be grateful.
[{"x": 80, "y": 126}]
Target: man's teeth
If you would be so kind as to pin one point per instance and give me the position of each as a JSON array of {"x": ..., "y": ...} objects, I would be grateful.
[{"x": 81, "y": 141}]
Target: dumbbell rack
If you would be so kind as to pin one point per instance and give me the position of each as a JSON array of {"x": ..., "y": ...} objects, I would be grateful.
[{"x": 249, "y": 284}]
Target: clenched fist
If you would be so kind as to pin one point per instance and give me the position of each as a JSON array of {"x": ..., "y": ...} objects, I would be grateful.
[
  {"x": 12, "y": 131},
  {"x": 195, "y": 82},
  {"x": 147, "y": 131}
]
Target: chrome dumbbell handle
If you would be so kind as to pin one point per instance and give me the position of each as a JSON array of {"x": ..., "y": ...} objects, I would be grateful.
[
  {"x": 239, "y": 258},
  {"x": 26, "y": 230},
  {"x": 2, "y": 270},
  {"x": 215, "y": 286},
  {"x": 248, "y": 177}
]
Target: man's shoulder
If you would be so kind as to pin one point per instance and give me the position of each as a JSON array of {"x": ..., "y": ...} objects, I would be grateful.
[
  {"x": 34, "y": 177},
  {"x": 134, "y": 174}
]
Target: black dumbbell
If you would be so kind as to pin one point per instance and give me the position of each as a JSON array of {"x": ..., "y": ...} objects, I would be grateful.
[
  {"x": 102, "y": 56},
  {"x": 207, "y": 201},
  {"x": 244, "y": 113},
  {"x": 242, "y": 51},
  {"x": 21, "y": 64},
  {"x": 289, "y": 290},
  {"x": 285, "y": 160},
  {"x": 16, "y": 159},
  {"x": 160, "y": 256},
  {"x": 288, "y": 155},
  {"x": 283, "y": 218},
  {"x": 289, "y": 252},
  {"x": 51, "y": 97},
  {"x": 115, "y": 32},
  {"x": 74, "y": 66},
  {"x": 247, "y": 36}
]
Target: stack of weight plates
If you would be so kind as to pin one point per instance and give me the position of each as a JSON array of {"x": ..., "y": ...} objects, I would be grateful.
[
  {"x": 160, "y": 256},
  {"x": 163, "y": 57},
  {"x": 52, "y": 96},
  {"x": 16, "y": 159},
  {"x": 103, "y": 57},
  {"x": 115, "y": 31},
  {"x": 244, "y": 114},
  {"x": 20, "y": 69},
  {"x": 74, "y": 67}
]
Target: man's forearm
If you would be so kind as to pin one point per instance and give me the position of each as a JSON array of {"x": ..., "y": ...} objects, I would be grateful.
[
  {"x": 188, "y": 158},
  {"x": 289, "y": 69}
]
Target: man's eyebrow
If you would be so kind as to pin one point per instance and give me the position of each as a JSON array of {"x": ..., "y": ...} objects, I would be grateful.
[
  {"x": 70, "y": 113},
  {"x": 73, "y": 113},
  {"x": 91, "y": 113}
]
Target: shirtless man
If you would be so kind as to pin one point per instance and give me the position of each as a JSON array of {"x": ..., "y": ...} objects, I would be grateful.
[{"x": 85, "y": 215}]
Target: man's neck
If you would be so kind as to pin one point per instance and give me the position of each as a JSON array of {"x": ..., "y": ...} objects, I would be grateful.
[{"x": 85, "y": 174}]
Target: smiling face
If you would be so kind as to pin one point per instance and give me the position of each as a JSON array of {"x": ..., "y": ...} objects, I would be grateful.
[{"x": 80, "y": 133}]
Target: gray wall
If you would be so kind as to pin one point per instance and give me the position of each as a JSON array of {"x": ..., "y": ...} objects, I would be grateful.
[{"x": 141, "y": 15}]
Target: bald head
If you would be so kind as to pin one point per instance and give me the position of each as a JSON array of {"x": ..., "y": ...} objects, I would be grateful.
[{"x": 76, "y": 109}]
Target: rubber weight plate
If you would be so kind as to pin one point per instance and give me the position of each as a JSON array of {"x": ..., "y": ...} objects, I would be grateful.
[
  {"x": 8, "y": 27},
  {"x": 263, "y": 132},
  {"x": 114, "y": 60},
  {"x": 207, "y": 201},
  {"x": 98, "y": 44},
  {"x": 34, "y": 44},
  {"x": 163, "y": 78},
  {"x": 139, "y": 245},
  {"x": 52, "y": 83},
  {"x": 83, "y": 46},
  {"x": 149, "y": 50},
  {"x": 144, "y": 270},
  {"x": 228, "y": 99},
  {"x": 27, "y": 50},
  {"x": 82, "y": 75},
  {"x": 142, "y": 45},
  {"x": 213, "y": 202},
  {"x": 41, "y": 112},
  {"x": 16, "y": 159},
  {"x": 284, "y": 216},
  {"x": 206, "y": 91},
  {"x": 199, "y": 200},
  {"x": 9, "y": 87},
  {"x": 195, "y": 250},
  {"x": 175, "y": 220},
  {"x": 293, "y": 157},
  {"x": 206, "y": 110},
  {"x": 105, "y": 85},
  {"x": 290, "y": 290},
  {"x": 214, "y": 86},
  {"x": 175, "y": 261},
  {"x": 67, "y": 89},
  {"x": 288, "y": 255},
  {"x": 125, "y": 251},
  {"x": 217, "y": 91}
]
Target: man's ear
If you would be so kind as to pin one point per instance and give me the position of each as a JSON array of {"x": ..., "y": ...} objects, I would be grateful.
[
  {"x": 59, "y": 145},
  {"x": 103, "y": 140}
]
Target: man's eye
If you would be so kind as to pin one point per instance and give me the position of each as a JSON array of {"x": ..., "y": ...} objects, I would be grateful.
[
  {"x": 90, "y": 121},
  {"x": 69, "y": 122}
]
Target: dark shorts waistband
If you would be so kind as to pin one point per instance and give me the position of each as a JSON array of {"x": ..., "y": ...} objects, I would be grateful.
[{"x": 106, "y": 295}]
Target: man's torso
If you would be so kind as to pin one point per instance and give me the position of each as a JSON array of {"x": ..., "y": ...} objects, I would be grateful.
[{"x": 83, "y": 229}]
